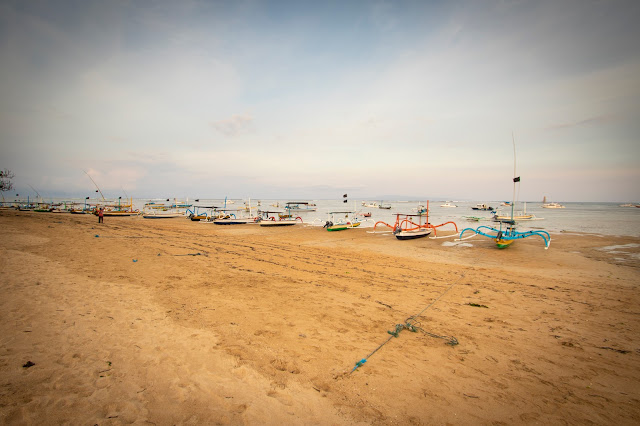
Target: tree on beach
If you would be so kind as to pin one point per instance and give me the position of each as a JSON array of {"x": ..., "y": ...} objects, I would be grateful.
[{"x": 5, "y": 180}]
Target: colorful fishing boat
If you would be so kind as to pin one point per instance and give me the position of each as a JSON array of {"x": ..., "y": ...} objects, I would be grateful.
[
  {"x": 199, "y": 213},
  {"x": 340, "y": 221},
  {"x": 448, "y": 204},
  {"x": 483, "y": 207},
  {"x": 229, "y": 217},
  {"x": 507, "y": 233},
  {"x": 411, "y": 226},
  {"x": 157, "y": 214},
  {"x": 511, "y": 214},
  {"x": 300, "y": 206},
  {"x": 268, "y": 219}
]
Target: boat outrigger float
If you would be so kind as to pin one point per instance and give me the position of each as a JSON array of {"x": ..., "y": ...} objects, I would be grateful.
[
  {"x": 506, "y": 234},
  {"x": 406, "y": 229}
]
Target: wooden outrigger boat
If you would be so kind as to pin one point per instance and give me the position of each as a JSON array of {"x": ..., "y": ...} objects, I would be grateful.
[
  {"x": 156, "y": 214},
  {"x": 282, "y": 220},
  {"x": 300, "y": 206},
  {"x": 506, "y": 234},
  {"x": 225, "y": 218},
  {"x": 198, "y": 213},
  {"x": 412, "y": 233},
  {"x": 482, "y": 207},
  {"x": 406, "y": 228},
  {"x": 518, "y": 215},
  {"x": 338, "y": 223},
  {"x": 152, "y": 210}
]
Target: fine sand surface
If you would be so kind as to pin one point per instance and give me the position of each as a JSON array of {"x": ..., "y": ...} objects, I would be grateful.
[{"x": 176, "y": 322}]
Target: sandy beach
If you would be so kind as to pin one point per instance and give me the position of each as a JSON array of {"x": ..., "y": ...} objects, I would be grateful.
[{"x": 178, "y": 322}]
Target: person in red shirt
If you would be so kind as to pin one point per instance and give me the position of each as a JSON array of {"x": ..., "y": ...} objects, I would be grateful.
[{"x": 101, "y": 215}]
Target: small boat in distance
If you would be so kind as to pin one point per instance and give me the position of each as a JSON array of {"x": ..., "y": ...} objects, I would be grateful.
[
  {"x": 553, "y": 206},
  {"x": 482, "y": 207},
  {"x": 448, "y": 205},
  {"x": 300, "y": 206},
  {"x": 547, "y": 205},
  {"x": 517, "y": 215}
]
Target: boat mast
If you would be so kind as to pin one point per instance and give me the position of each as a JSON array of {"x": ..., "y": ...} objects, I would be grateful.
[
  {"x": 94, "y": 182},
  {"x": 39, "y": 197},
  {"x": 515, "y": 179}
]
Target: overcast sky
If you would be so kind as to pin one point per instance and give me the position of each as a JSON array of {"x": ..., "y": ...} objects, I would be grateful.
[{"x": 289, "y": 99}]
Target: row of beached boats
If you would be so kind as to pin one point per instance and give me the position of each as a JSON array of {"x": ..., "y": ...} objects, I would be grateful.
[{"x": 406, "y": 226}]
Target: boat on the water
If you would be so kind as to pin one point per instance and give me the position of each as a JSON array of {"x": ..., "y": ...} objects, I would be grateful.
[
  {"x": 550, "y": 205},
  {"x": 448, "y": 204},
  {"x": 482, "y": 207},
  {"x": 517, "y": 215},
  {"x": 553, "y": 206},
  {"x": 300, "y": 206}
]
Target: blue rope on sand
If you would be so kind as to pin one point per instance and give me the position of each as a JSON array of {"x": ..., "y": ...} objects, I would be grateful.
[
  {"x": 410, "y": 324},
  {"x": 359, "y": 363}
]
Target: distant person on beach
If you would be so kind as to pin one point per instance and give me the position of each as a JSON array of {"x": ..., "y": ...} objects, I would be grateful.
[{"x": 101, "y": 215}]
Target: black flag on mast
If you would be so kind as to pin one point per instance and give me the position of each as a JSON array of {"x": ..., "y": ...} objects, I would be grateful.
[
  {"x": 516, "y": 179},
  {"x": 345, "y": 198}
]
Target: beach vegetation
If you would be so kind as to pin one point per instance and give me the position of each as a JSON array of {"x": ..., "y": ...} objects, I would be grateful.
[{"x": 6, "y": 177}]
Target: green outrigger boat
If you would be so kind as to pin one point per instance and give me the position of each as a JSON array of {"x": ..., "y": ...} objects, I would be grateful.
[{"x": 335, "y": 223}]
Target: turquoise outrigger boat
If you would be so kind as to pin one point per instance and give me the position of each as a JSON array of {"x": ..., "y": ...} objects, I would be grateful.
[{"x": 506, "y": 234}]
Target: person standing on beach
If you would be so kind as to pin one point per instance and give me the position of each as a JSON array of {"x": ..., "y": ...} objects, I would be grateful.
[{"x": 101, "y": 215}]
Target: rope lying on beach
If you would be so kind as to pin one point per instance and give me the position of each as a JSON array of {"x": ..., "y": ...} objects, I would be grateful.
[{"x": 412, "y": 324}]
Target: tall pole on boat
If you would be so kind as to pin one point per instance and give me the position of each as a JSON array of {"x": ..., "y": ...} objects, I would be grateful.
[
  {"x": 39, "y": 197},
  {"x": 515, "y": 179},
  {"x": 427, "y": 218},
  {"x": 94, "y": 182}
]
